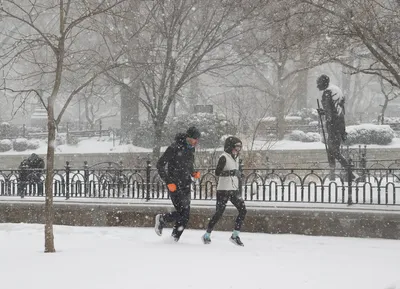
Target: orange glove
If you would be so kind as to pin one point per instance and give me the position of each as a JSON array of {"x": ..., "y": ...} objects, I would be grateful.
[
  {"x": 196, "y": 175},
  {"x": 171, "y": 187}
]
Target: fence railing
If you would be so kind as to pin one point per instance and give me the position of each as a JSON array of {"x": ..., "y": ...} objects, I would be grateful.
[
  {"x": 70, "y": 133},
  {"x": 377, "y": 186}
]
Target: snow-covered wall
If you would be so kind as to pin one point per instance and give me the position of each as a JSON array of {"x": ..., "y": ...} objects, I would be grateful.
[{"x": 336, "y": 221}]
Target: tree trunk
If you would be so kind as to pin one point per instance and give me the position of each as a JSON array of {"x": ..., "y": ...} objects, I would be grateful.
[
  {"x": 280, "y": 118},
  {"x": 129, "y": 112},
  {"x": 302, "y": 80},
  {"x": 381, "y": 118},
  {"x": 279, "y": 109},
  {"x": 158, "y": 133},
  {"x": 194, "y": 95},
  {"x": 48, "y": 207}
]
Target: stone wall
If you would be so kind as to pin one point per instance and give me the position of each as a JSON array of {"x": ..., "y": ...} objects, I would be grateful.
[{"x": 350, "y": 222}]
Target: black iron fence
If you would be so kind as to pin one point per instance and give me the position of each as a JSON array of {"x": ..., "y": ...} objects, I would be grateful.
[{"x": 378, "y": 186}]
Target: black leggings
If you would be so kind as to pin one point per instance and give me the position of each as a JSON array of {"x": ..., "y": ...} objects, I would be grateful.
[
  {"x": 222, "y": 198},
  {"x": 181, "y": 201}
]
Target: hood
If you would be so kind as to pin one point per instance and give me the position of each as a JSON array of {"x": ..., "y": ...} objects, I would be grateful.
[
  {"x": 34, "y": 158},
  {"x": 230, "y": 143},
  {"x": 34, "y": 161},
  {"x": 180, "y": 138}
]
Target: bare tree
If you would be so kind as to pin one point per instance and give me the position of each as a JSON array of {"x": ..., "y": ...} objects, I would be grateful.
[
  {"x": 55, "y": 49},
  {"x": 182, "y": 40},
  {"x": 368, "y": 30},
  {"x": 286, "y": 40},
  {"x": 390, "y": 93},
  {"x": 99, "y": 102},
  {"x": 125, "y": 33}
]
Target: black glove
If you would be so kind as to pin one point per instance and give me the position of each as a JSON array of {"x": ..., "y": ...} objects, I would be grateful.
[
  {"x": 236, "y": 173},
  {"x": 320, "y": 111}
]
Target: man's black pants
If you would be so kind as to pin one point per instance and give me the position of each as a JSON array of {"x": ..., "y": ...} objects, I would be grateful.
[{"x": 181, "y": 201}]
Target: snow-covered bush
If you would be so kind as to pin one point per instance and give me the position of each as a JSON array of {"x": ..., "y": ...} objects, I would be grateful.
[
  {"x": 312, "y": 137},
  {"x": 298, "y": 135},
  {"x": 5, "y": 145},
  {"x": 144, "y": 136},
  {"x": 306, "y": 114},
  {"x": 20, "y": 144},
  {"x": 212, "y": 127},
  {"x": 369, "y": 134},
  {"x": 72, "y": 140},
  {"x": 293, "y": 119},
  {"x": 8, "y": 131},
  {"x": 61, "y": 139},
  {"x": 388, "y": 120},
  {"x": 33, "y": 144}
]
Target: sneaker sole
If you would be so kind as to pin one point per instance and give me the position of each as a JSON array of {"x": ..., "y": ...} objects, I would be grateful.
[
  {"x": 233, "y": 242},
  {"x": 156, "y": 226}
]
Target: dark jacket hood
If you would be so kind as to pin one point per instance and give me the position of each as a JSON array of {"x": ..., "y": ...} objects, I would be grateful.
[
  {"x": 180, "y": 141},
  {"x": 34, "y": 161},
  {"x": 230, "y": 143},
  {"x": 180, "y": 138}
]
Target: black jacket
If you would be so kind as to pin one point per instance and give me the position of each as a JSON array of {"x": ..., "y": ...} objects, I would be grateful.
[
  {"x": 32, "y": 162},
  {"x": 35, "y": 162},
  {"x": 176, "y": 165}
]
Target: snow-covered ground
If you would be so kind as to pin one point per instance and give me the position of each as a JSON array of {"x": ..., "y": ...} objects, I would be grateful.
[
  {"x": 297, "y": 145},
  {"x": 121, "y": 258},
  {"x": 85, "y": 146},
  {"x": 93, "y": 145}
]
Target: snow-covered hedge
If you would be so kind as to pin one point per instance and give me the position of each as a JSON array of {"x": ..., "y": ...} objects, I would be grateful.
[
  {"x": 5, "y": 145},
  {"x": 389, "y": 120},
  {"x": 8, "y": 131},
  {"x": 369, "y": 134},
  {"x": 61, "y": 139},
  {"x": 33, "y": 144},
  {"x": 306, "y": 114},
  {"x": 20, "y": 144},
  {"x": 212, "y": 126},
  {"x": 298, "y": 135}
]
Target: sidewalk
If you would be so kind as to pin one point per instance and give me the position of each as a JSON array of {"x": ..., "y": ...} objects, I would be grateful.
[{"x": 317, "y": 207}]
